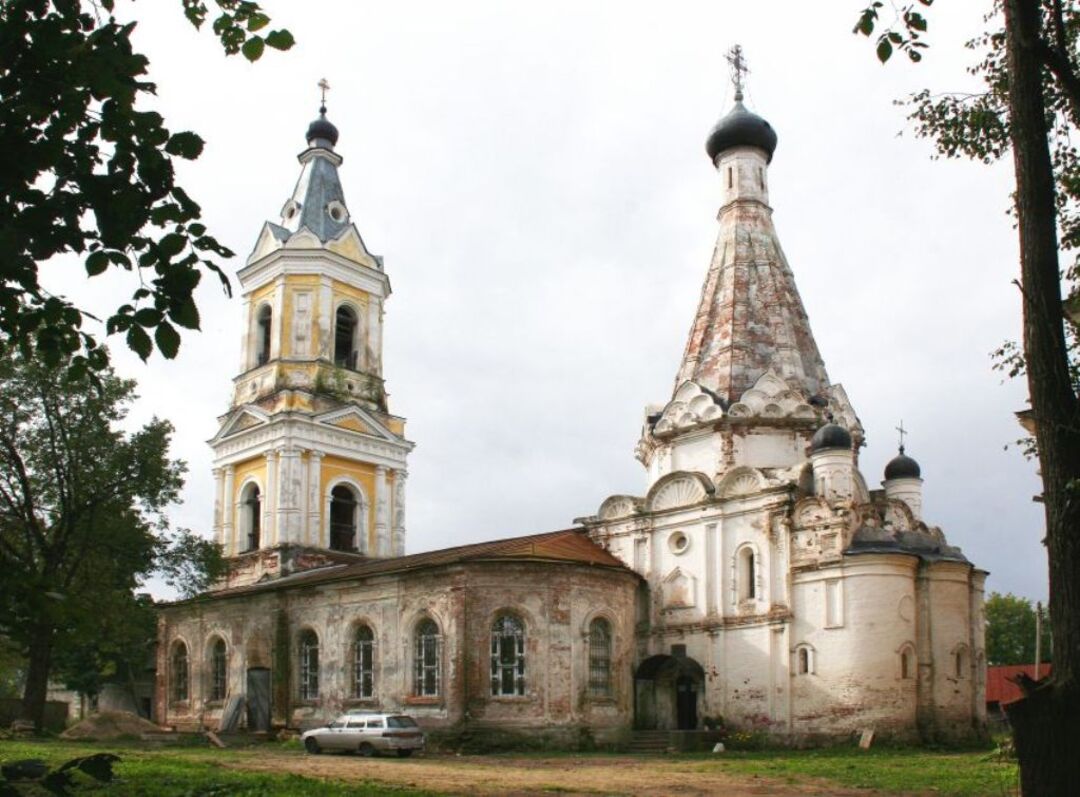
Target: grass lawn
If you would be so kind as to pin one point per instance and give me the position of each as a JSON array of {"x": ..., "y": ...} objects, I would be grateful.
[
  {"x": 192, "y": 771},
  {"x": 976, "y": 773},
  {"x": 271, "y": 769}
]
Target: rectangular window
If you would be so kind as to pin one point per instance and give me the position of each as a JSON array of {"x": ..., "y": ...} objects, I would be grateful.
[{"x": 834, "y": 603}]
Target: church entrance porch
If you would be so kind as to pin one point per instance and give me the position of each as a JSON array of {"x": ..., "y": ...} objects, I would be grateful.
[{"x": 666, "y": 693}]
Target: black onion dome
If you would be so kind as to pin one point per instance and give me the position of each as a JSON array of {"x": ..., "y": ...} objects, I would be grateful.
[
  {"x": 831, "y": 435},
  {"x": 741, "y": 128},
  {"x": 322, "y": 128},
  {"x": 902, "y": 467}
]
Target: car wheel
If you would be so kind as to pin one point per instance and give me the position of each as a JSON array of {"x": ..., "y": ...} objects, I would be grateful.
[
  {"x": 311, "y": 745},
  {"x": 366, "y": 750},
  {"x": 404, "y": 753}
]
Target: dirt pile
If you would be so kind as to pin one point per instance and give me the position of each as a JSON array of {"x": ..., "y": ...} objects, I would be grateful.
[{"x": 110, "y": 725}]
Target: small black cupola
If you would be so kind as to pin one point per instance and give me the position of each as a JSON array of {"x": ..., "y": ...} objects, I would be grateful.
[
  {"x": 831, "y": 435},
  {"x": 902, "y": 467}
]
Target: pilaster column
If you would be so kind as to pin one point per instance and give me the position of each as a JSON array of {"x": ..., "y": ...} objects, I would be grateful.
[
  {"x": 314, "y": 501},
  {"x": 228, "y": 511},
  {"x": 245, "y": 339},
  {"x": 374, "y": 336},
  {"x": 382, "y": 513},
  {"x": 288, "y": 496},
  {"x": 277, "y": 321},
  {"x": 219, "y": 488},
  {"x": 397, "y": 529},
  {"x": 269, "y": 527}
]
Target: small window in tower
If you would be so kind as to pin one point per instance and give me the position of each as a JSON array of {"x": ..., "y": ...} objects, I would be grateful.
[
  {"x": 761, "y": 178},
  {"x": 905, "y": 663},
  {"x": 730, "y": 177},
  {"x": 251, "y": 513},
  {"x": 804, "y": 660},
  {"x": 747, "y": 575},
  {"x": 343, "y": 511},
  {"x": 263, "y": 336},
  {"x": 345, "y": 338}
]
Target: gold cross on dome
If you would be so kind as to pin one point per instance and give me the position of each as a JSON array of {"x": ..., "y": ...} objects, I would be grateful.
[
  {"x": 739, "y": 68},
  {"x": 325, "y": 86}
]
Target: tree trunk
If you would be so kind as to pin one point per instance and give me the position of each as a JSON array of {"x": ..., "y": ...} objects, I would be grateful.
[
  {"x": 38, "y": 665},
  {"x": 1047, "y": 722}
]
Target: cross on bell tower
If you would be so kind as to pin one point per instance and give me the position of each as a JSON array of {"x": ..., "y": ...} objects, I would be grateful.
[{"x": 739, "y": 69}]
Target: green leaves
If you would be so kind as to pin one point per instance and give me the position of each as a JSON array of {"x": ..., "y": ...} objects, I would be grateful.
[
  {"x": 902, "y": 35},
  {"x": 253, "y": 48},
  {"x": 167, "y": 339},
  {"x": 139, "y": 342},
  {"x": 185, "y": 145},
  {"x": 280, "y": 40},
  {"x": 77, "y": 111}
]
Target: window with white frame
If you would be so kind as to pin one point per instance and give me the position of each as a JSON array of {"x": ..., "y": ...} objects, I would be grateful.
[
  {"x": 309, "y": 665},
  {"x": 219, "y": 669},
  {"x": 600, "y": 658},
  {"x": 507, "y": 656},
  {"x": 364, "y": 662},
  {"x": 426, "y": 659}
]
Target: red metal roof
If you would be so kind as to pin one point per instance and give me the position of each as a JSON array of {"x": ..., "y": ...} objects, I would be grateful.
[
  {"x": 999, "y": 681},
  {"x": 569, "y": 545}
]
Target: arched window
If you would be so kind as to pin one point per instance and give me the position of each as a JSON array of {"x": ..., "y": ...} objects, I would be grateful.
[
  {"x": 364, "y": 662},
  {"x": 804, "y": 660},
  {"x": 262, "y": 338},
  {"x": 345, "y": 324},
  {"x": 747, "y": 575},
  {"x": 343, "y": 512},
  {"x": 600, "y": 658},
  {"x": 251, "y": 515},
  {"x": 426, "y": 659},
  {"x": 507, "y": 656},
  {"x": 309, "y": 666},
  {"x": 906, "y": 663},
  {"x": 960, "y": 662},
  {"x": 219, "y": 669},
  {"x": 179, "y": 672}
]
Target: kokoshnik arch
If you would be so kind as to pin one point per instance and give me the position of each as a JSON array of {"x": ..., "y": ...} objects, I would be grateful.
[{"x": 758, "y": 578}]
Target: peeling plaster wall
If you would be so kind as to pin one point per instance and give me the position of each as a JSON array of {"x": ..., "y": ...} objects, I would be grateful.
[{"x": 556, "y": 602}]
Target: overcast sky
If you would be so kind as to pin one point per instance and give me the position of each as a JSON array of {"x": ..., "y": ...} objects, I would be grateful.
[{"x": 534, "y": 175}]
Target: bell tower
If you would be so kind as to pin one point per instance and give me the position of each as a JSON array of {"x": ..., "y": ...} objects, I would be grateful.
[{"x": 309, "y": 458}]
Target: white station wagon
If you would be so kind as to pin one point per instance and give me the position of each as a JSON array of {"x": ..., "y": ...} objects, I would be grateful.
[{"x": 366, "y": 734}]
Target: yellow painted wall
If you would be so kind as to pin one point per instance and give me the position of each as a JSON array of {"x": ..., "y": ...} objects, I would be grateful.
[{"x": 362, "y": 472}]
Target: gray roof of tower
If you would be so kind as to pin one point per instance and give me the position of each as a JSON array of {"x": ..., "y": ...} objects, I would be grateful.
[
  {"x": 318, "y": 186},
  {"x": 868, "y": 540}
]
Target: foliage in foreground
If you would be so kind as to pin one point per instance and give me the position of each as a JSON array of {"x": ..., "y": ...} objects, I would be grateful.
[
  {"x": 82, "y": 523},
  {"x": 185, "y": 773},
  {"x": 87, "y": 168}
]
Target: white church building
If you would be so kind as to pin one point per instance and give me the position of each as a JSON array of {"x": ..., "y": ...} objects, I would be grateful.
[{"x": 759, "y": 579}]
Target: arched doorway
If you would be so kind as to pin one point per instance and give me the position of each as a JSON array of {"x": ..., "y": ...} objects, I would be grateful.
[{"x": 666, "y": 693}]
